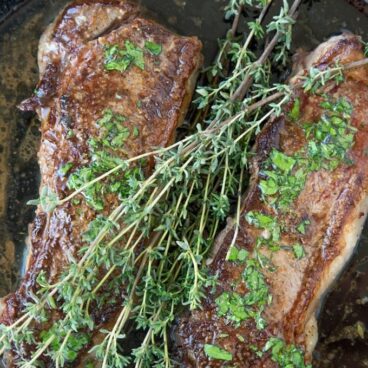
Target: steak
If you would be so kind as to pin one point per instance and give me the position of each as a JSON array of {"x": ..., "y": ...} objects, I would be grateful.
[
  {"x": 299, "y": 224},
  {"x": 80, "y": 82}
]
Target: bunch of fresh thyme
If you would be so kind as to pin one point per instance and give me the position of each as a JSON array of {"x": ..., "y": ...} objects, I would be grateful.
[{"x": 147, "y": 257}]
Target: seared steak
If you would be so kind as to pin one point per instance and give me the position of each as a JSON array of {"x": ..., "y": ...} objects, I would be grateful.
[
  {"x": 300, "y": 222},
  {"x": 149, "y": 91}
]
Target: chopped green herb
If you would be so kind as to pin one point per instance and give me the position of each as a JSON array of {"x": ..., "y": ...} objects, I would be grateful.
[
  {"x": 266, "y": 222},
  {"x": 258, "y": 289},
  {"x": 233, "y": 254},
  {"x": 232, "y": 306},
  {"x": 287, "y": 356},
  {"x": 70, "y": 134},
  {"x": 329, "y": 140},
  {"x": 255, "y": 349},
  {"x": 294, "y": 113},
  {"x": 302, "y": 226},
  {"x": 270, "y": 186},
  {"x": 236, "y": 254},
  {"x": 281, "y": 161},
  {"x": 281, "y": 188},
  {"x": 242, "y": 255},
  {"x": 215, "y": 352},
  {"x": 113, "y": 133},
  {"x": 153, "y": 48},
  {"x": 299, "y": 251},
  {"x": 105, "y": 152},
  {"x": 135, "y": 132},
  {"x": 76, "y": 201},
  {"x": 65, "y": 168},
  {"x": 260, "y": 220},
  {"x": 120, "y": 59},
  {"x": 332, "y": 136}
]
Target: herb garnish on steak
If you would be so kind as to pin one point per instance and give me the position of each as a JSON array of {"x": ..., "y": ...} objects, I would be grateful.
[
  {"x": 299, "y": 223},
  {"x": 113, "y": 85}
]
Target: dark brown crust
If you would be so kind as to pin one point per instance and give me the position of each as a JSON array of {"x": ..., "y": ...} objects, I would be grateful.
[
  {"x": 74, "y": 90},
  {"x": 336, "y": 204}
]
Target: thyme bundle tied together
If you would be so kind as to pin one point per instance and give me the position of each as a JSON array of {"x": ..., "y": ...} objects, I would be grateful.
[{"x": 147, "y": 257}]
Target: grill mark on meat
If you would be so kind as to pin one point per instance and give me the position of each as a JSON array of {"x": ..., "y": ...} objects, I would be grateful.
[
  {"x": 335, "y": 202},
  {"x": 73, "y": 91}
]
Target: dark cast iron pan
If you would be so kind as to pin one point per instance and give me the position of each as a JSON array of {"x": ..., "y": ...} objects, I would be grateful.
[{"x": 343, "y": 319}]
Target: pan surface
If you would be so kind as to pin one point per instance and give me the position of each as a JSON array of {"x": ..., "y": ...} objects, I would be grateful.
[{"x": 344, "y": 317}]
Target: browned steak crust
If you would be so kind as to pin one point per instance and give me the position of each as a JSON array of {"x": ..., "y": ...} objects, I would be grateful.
[
  {"x": 335, "y": 202},
  {"x": 74, "y": 90}
]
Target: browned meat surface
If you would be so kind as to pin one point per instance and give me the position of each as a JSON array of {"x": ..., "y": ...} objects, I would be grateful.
[
  {"x": 74, "y": 91},
  {"x": 324, "y": 221}
]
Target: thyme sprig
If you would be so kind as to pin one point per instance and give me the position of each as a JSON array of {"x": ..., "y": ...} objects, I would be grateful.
[{"x": 147, "y": 257}]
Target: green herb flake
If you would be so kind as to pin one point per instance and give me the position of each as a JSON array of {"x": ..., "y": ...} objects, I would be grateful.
[
  {"x": 113, "y": 133},
  {"x": 233, "y": 254},
  {"x": 153, "y": 48},
  {"x": 70, "y": 134},
  {"x": 282, "y": 161},
  {"x": 121, "y": 59},
  {"x": 302, "y": 227},
  {"x": 76, "y": 201},
  {"x": 259, "y": 219},
  {"x": 231, "y": 305},
  {"x": 288, "y": 356},
  {"x": 255, "y": 281},
  {"x": 329, "y": 140},
  {"x": 242, "y": 255},
  {"x": 65, "y": 168},
  {"x": 135, "y": 132},
  {"x": 269, "y": 187},
  {"x": 214, "y": 352},
  {"x": 236, "y": 254},
  {"x": 299, "y": 251},
  {"x": 294, "y": 113},
  {"x": 331, "y": 137},
  {"x": 265, "y": 222}
]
